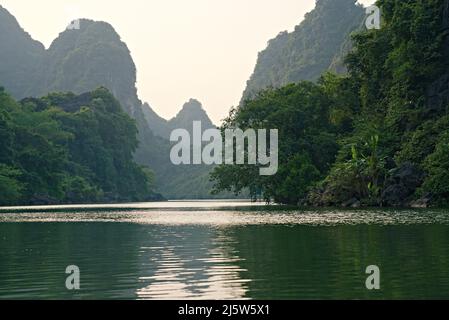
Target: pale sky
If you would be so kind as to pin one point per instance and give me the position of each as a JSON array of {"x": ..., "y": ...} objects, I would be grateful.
[{"x": 203, "y": 49}]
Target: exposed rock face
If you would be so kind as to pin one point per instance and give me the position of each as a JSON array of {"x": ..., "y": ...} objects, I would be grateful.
[
  {"x": 422, "y": 203},
  {"x": 77, "y": 61},
  {"x": 20, "y": 56},
  {"x": 318, "y": 44},
  {"x": 40, "y": 200},
  {"x": 352, "y": 203},
  {"x": 190, "y": 112},
  {"x": 402, "y": 185},
  {"x": 157, "y": 124},
  {"x": 82, "y": 60},
  {"x": 398, "y": 192}
]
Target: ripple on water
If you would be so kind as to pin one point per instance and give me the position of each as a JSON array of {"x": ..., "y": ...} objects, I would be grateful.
[
  {"x": 234, "y": 217},
  {"x": 222, "y": 252}
]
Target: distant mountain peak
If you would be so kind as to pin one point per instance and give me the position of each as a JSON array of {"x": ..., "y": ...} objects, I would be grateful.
[
  {"x": 20, "y": 56},
  {"x": 104, "y": 31},
  {"x": 316, "y": 45},
  {"x": 191, "y": 111},
  {"x": 193, "y": 105},
  {"x": 9, "y": 23},
  {"x": 83, "y": 59}
]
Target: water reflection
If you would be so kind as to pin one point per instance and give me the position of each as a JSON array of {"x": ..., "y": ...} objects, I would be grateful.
[
  {"x": 202, "y": 266},
  {"x": 223, "y": 253}
]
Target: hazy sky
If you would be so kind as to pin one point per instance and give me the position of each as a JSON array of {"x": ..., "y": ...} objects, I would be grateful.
[{"x": 203, "y": 49}]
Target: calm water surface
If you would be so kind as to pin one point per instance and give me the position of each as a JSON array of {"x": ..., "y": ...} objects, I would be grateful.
[{"x": 222, "y": 250}]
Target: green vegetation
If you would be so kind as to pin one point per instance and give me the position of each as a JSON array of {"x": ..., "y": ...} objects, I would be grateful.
[
  {"x": 318, "y": 44},
  {"x": 376, "y": 136},
  {"x": 307, "y": 140},
  {"x": 94, "y": 56},
  {"x": 65, "y": 148},
  {"x": 185, "y": 181}
]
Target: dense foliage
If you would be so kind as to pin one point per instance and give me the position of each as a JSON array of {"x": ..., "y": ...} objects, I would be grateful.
[
  {"x": 316, "y": 45},
  {"x": 82, "y": 60},
  {"x": 68, "y": 148},
  {"x": 307, "y": 142},
  {"x": 389, "y": 116}
]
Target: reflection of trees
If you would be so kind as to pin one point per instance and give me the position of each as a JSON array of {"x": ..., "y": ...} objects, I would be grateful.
[
  {"x": 330, "y": 262},
  {"x": 34, "y": 256},
  {"x": 119, "y": 260}
]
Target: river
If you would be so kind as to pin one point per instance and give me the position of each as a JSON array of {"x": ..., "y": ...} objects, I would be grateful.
[{"x": 222, "y": 250}]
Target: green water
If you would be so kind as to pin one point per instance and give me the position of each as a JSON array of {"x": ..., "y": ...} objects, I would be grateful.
[{"x": 222, "y": 250}]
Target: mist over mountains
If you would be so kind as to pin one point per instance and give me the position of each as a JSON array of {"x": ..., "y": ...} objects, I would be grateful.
[
  {"x": 20, "y": 56},
  {"x": 82, "y": 60},
  {"x": 95, "y": 56},
  {"x": 191, "y": 111}
]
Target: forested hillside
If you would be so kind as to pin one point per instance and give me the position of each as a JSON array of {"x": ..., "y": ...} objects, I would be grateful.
[
  {"x": 377, "y": 136},
  {"x": 317, "y": 44},
  {"x": 82, "y": 60},
  {"x": 65, "y": 148}
]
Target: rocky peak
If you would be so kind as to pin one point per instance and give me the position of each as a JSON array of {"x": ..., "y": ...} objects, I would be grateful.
[
  {"x": 20, "y": 55},
  {"x": 81, "y": 60},
  {"x": 191, "y": 111},
  {"x": 315, "y": 46}
]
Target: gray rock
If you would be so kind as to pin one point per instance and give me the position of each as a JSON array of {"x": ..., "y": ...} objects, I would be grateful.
[
  {"x": 395, "y": 195},
  {"x": 351, "y": 203},
  {"x": 356, "y": 204},
  {"x": 424, "y": 202},
  {"x": 401, "y": 185},
  {"x": 42, "y": 200}
]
